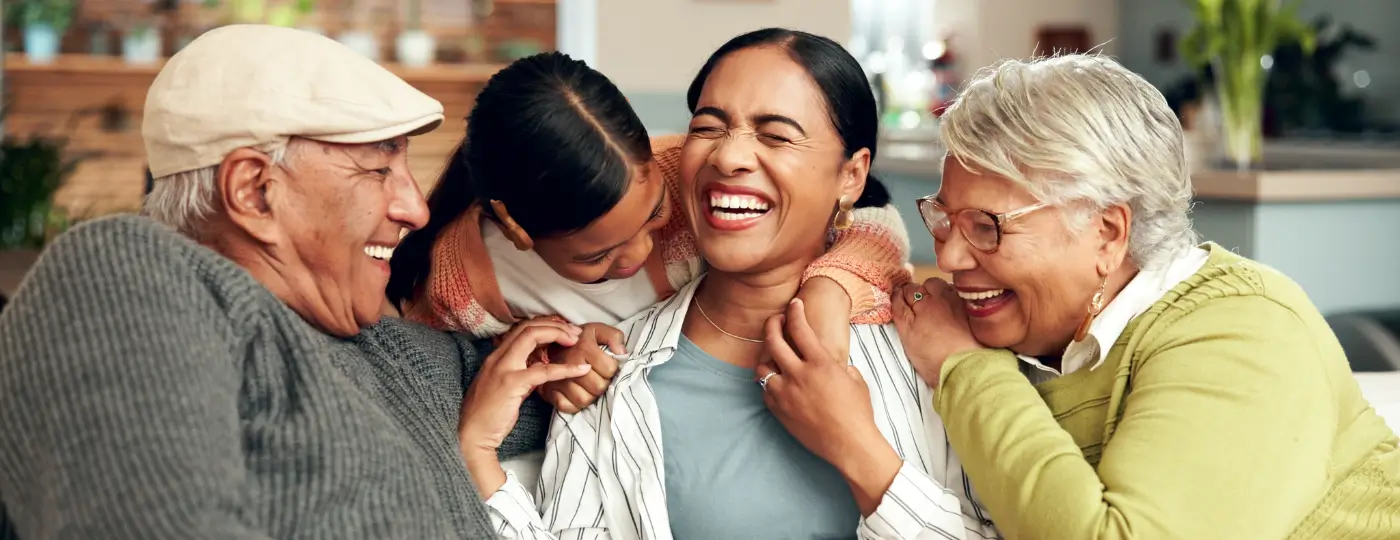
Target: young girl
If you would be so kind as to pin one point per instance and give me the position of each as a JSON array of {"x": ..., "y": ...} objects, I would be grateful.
[{"x": 558, "y": 204}]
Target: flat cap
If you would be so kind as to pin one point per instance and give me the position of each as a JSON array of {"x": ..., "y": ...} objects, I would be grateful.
[{"x": 256, "y": 86}]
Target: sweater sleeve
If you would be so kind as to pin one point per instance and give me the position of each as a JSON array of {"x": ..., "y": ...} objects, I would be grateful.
[
  {"x": 461, "y": 285},
  {"x": 118, "y": 401},
  {"x": 868, "y": 260},
  {"x": 1225, "y": 434}
]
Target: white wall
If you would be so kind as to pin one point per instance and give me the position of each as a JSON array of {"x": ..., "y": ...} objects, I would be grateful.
[
  {"x": 658, "y": 45},
  {"x": 989, "y": 30}
]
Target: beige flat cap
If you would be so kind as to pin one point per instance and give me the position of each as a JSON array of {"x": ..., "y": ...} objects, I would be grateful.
[{"x": 256, "y": 85}]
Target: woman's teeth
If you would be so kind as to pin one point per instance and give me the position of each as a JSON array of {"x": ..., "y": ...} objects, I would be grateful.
[
  {"x": 737, "y": 207},
  {"x": 980, "y": 297},
  {"x": 383, "y": 253}
]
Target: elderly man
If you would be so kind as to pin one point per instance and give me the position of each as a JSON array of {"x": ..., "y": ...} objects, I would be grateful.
[{"x": 220, "y": 369}]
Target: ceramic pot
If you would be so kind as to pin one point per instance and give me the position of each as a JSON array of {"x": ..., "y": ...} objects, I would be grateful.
[
  {"x": 416, "y": 48},
  {"x": 361, "y": 42},
  {"x": 40, "y": 43},
  {"x": 141, "y": 46}
]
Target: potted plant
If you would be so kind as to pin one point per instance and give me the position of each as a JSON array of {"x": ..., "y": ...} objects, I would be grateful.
[
  {"x": 44, "y": 22},
  {"x": 308, "y": 19},
  {"x": 141, "y": 43},
  {"x": 416, "y": 47},
  {"x": 31, "y": 171},
  {"x": 1235, "y": 38},
  {"x": 356, "y": 34},
  {"x": 191, "y": 21},
  {"x": 299, "y": 14}
]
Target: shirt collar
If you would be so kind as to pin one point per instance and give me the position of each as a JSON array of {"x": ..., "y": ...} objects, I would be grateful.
[
  {"x": 659, "y": 328},
  {"x": 1137, "y": 296}
]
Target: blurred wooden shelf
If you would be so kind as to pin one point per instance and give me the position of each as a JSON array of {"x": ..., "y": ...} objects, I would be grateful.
[
  {"x": 83, "y": 64},
  {"x": 96, "y": 104}
]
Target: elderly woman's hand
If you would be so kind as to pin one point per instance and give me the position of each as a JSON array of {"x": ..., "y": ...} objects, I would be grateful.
[
  {"x": 492, "y": 404},
  {"x": 932, "y": 326},
  {"x": 824, "y": 403}
]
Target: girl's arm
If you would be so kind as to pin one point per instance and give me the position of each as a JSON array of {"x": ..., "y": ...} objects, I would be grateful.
[{"x": 866, "y": 260}]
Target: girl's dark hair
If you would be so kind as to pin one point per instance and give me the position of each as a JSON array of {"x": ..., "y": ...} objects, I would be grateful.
[
  {"x": 548, "y": 136},
  {"x": 849, "y": 99}
]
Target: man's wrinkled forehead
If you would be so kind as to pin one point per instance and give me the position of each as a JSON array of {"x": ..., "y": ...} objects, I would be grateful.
[{"x": 363, "y": 153}]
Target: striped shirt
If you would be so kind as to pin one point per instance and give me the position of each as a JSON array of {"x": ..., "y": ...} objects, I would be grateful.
[{"x": 603, "y": 473}]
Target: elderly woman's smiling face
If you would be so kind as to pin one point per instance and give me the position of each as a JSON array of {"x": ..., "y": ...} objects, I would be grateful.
[
  {"x": 763, "y": 166},
  {"x": 1030, "y": 293}
]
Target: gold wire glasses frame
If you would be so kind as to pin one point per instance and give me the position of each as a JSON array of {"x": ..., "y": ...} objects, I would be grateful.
[{"x": 980, "y": 228}]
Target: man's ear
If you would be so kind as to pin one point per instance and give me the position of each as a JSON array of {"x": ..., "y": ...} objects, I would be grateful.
[
  {"x": 854, "y": 174},
  {"x": 1115, "y": 226},
  {"x": 244, "y": 180}
]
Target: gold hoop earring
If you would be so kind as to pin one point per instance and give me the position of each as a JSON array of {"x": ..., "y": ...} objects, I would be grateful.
[
  {"x": 845, "y": 216},
  {"x": 513, "y": 230},
  {"x": 1095, "y": 308}
]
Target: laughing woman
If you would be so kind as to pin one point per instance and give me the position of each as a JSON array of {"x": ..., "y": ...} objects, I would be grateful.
[
  {"x": 1101, "y": 374},
  {"x": 684, "y": 444}
]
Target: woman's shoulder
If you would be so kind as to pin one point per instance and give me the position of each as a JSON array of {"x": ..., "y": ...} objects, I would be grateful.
[
  {"x": 1228, "y": 275},
  {"x": 1242, "y": 309}
]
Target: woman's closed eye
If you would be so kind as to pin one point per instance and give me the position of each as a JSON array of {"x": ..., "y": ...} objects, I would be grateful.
[
  {"x": 706, "y": 131},
  {"x": 774, "y": 138}
]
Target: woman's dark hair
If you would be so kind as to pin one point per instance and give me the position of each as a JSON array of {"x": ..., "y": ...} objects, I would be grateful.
[
  {"x": 548, "y": 136},
  {"x": 849, "y": 99}
]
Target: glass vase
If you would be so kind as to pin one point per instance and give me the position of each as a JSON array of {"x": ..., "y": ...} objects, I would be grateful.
[{"x": 1239, "y": 90}]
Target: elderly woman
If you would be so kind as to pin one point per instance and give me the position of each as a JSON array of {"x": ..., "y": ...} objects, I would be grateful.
[
  {"x": 684, "y": 444},
  {"x": 1100, "y": 374}
]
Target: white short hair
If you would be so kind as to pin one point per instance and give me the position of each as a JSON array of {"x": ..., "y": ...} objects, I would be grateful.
[
  {"x": 186, "y": 200},
  {"x": 1084, "y": 132}
]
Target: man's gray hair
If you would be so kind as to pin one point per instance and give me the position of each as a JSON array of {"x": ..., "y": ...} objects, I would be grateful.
[
  {"x": 186, "y": 200},
  {"x": 1084, "y": 132}
]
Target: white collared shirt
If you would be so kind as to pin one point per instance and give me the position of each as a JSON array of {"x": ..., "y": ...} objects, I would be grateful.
[
  {"x": 1145, "y": 289},
  {"x": 603, "y": 476}
]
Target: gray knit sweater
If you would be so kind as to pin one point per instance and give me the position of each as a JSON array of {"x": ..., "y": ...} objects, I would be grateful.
[{"x": 150, "y": 388}]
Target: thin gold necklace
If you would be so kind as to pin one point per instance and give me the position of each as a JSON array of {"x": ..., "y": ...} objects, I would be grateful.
[{"x": 721, "y": 330}]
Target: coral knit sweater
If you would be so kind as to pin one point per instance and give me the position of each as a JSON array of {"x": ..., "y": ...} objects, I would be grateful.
[{"x": 867, "y": 260}]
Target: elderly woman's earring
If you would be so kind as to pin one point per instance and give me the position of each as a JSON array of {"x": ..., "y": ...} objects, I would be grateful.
[
  {"x": 1095, "y": 307},
  {"x": 845, "y": 216},
  {"x": 512, "y": 230}
]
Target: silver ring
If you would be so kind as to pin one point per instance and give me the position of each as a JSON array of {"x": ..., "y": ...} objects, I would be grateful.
[
  {"x": 918, "y": 296},
  {"x": 763, "y": 383}
]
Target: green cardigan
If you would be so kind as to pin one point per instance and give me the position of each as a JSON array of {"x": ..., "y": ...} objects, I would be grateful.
[{"x": 1227, "y": 410}]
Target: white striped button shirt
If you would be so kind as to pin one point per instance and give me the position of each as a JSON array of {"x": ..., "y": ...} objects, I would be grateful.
[{"x": 603, "y": 475}]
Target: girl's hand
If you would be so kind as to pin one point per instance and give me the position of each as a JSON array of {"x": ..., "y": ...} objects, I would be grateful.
[{"x": 596, "y": 346}]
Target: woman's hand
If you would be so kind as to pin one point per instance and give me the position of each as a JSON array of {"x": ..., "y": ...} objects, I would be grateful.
[
  {"x": 595, "y": 348},
  {"x": 932, "y": 326},
  {"x": 824, "y": 403},
  {"x": 831, "y": 314},
  {"x": 492, "y": 403}
]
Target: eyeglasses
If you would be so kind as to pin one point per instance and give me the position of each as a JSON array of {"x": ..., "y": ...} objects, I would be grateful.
[{"x": 981, "y": 228}]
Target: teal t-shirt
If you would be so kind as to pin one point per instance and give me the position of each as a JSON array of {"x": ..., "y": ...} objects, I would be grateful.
[{"x": 732, "y": 470}]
